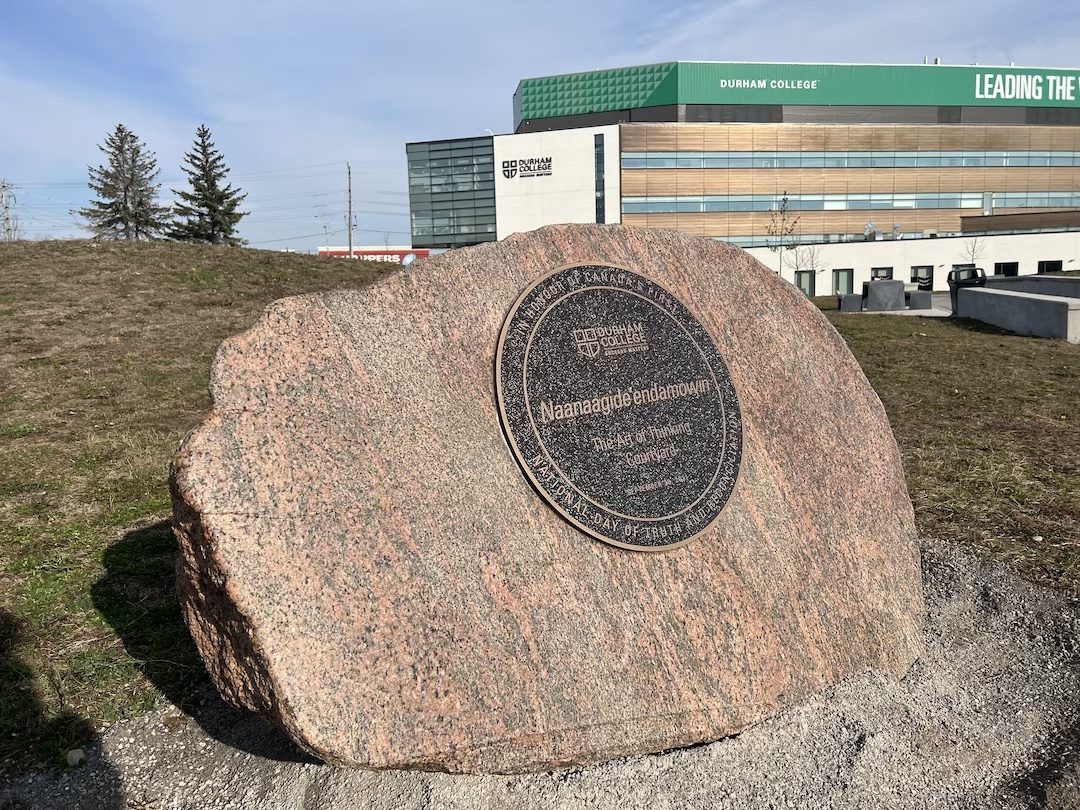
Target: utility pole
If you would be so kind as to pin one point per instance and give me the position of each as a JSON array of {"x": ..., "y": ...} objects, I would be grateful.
[
  {"x": 348, "y": 222},
  {"x": 6, "y": 198}
]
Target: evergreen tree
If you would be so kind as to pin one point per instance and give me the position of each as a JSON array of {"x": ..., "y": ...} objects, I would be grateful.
[
  {"x": 127, "y": 206},
  {"x": 208, "y": 212}
]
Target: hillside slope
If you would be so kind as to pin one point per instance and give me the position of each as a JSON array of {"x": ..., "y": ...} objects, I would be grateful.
[{"x": 105, "y": 351}]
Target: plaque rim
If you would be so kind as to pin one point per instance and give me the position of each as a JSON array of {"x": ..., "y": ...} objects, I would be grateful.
[
  {"x": 515, "y": 451},
  {"x": 712, "y": 373}
]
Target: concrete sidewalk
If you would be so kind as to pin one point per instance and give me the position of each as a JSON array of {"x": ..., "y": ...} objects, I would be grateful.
[
  {"x": 933, "y": 312},
  {"x": 989, "y": 719}
]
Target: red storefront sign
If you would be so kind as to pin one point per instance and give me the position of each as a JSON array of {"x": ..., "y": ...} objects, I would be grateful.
[{"x": 402, "y": 256}]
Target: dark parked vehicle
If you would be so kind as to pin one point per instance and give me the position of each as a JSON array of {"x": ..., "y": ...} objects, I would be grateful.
[{"x": 964, "y": 277}]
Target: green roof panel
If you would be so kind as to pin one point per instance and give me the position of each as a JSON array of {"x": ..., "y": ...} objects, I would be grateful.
[{"x": 598, "y": 91}]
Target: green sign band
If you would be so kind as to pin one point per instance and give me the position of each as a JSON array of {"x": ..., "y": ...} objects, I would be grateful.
[{"x": 756, "y": 83}]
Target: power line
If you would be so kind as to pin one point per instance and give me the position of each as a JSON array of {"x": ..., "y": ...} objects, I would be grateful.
[
  {"x": 270, "y": 175},
  {"x": 47, "y": 206},
  {"x": 322, "y": 211},
  {"x": 299, "y": 236},
  {"x": 325, "y": 233}
]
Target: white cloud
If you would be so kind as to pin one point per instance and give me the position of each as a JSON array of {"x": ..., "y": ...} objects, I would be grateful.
[
  {"x": 997, "y": 31},
  {"x": 283, "y": 85}
]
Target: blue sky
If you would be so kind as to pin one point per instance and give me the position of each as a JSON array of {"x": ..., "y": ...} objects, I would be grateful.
[{"x": 292, "y": 91}]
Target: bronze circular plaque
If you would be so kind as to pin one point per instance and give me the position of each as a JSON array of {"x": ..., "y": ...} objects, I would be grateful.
[{"x": 618, "y": 406}]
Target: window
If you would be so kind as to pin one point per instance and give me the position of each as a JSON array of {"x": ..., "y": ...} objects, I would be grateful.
[
  {"x": 923, "y": 275},
  {"x": 850, "y": 202},
  {"x": 881, "y": 272},
  {"x": 451, "y": 192},
  {"x": 1006, "y": 268},
  {"x": 804, "y": 280},
  {"x": 598, "y": 169},
  {"x": 843, "y": 160},
  {"x": 1050, "y": 266},
  {"x": 842, "y": 281}
]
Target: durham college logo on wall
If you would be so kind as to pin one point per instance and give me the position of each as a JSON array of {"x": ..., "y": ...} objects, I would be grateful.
[{"x": 526, "y": 167}]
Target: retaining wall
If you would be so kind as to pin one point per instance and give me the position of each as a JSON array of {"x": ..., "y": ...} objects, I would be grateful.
[
  {"x": 1022, "y": 312},
  {"x": 1068, "y": 286}
]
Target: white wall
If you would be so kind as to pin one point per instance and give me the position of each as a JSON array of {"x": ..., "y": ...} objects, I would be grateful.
[
  {"x": 942, "y": 253},
  {"x": 569, "y": 193}
]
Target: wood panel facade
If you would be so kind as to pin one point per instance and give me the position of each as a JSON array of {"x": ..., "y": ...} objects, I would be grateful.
[
  {"x": 670, "y": 182},
  {"x": 698, "y": 182},
  {"x": 809, "y": 222},
  {"x": 1028, "y": 220}
]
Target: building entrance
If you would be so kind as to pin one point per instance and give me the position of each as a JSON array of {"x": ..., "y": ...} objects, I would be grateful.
[{"x": 842, "y": 281}]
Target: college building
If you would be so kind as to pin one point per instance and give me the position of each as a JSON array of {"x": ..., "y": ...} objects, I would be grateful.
[{"x": 760, "y": 154}]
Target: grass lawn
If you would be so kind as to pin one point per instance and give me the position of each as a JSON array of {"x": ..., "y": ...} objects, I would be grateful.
[
  {"x": 988, "y": 425},
  {"x": 105, "y": 354},
  {"x": 104, "y": 357}
]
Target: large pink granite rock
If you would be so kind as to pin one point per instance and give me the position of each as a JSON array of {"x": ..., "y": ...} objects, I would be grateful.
[{"x": 364, "y": 564}]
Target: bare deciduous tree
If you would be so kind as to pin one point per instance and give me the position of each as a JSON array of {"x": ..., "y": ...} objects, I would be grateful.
[
  {"x": 973, "y": 250},
  {"x": 13, "y": 230},
  {"x": 781, "y": 230},
  {"x": 806, "y": 258},
  {"x": 9, "y": 223}
]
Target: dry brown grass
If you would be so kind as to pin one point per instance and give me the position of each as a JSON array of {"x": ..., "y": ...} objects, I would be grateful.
[
  {"x": 104, "y": 358},
  {"x": 988, "y": 425}
]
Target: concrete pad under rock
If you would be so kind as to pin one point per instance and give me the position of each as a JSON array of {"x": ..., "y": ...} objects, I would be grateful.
[
  {"x": 364, "y": 564},
  {"x": 988, "y": 719}
]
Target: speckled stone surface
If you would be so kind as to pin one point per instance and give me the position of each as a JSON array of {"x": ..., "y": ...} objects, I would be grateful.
[{"x": 363, "y": 562}]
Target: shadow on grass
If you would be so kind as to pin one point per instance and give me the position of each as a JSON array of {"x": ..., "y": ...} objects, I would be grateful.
[
  {"x": 137, "y": 596},
  {"x": 970, "y": 325},
  {"x": 28, "y": 735}
]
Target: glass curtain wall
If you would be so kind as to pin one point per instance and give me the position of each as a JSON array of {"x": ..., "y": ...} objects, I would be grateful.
[{"x": 452, "y": 192}]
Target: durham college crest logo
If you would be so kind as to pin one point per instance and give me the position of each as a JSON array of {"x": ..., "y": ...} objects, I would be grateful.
[
  {"x": 527, "y": 167},
  {"x": 611, "y": 340}
]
